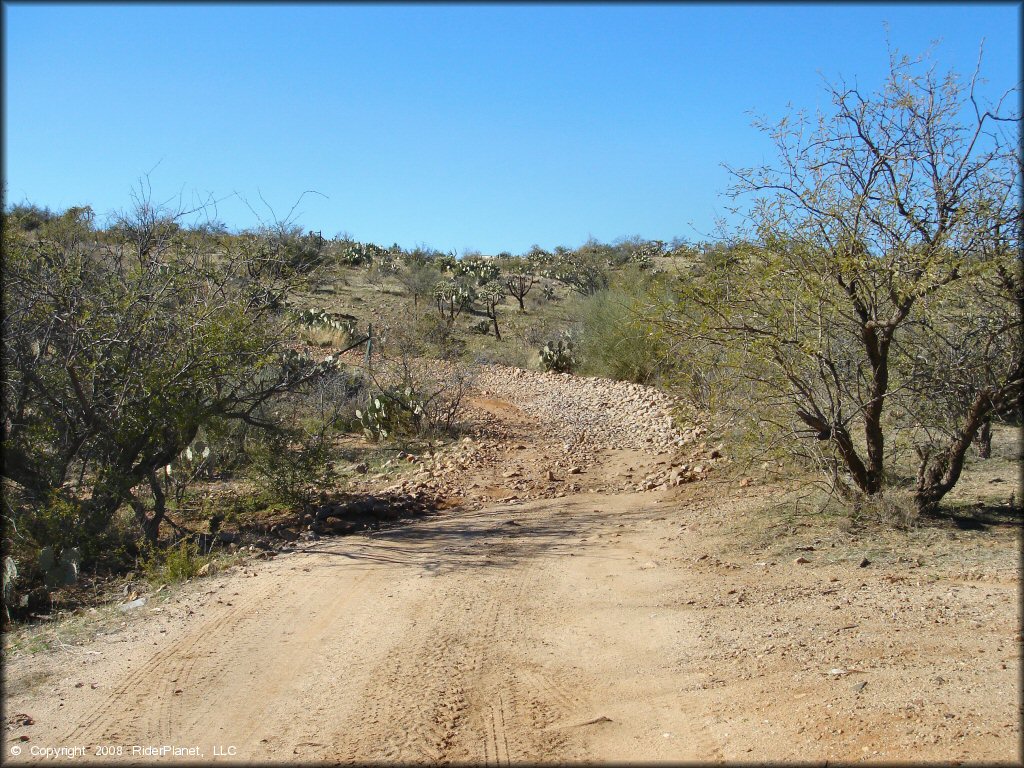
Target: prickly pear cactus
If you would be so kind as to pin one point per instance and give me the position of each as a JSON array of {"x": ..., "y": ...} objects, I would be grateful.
[
  {"x": 402, "y": 413},
  {"x": 317, "y": 317},
  {"x": 643, "y": 254},
  {"x": 59, "y": 571},
  {"x": 480, "y": 268},
  {"x": 558, "y": 355},
  {"x": 10, "y": 581}
]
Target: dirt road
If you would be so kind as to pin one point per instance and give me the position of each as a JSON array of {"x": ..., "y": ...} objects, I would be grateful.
[
  {"x": 514, "y": 633},
  {"x": 607, "y": 626}
]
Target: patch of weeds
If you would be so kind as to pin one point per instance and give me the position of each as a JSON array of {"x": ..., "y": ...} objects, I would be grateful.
[
  {"x": 174, "y": 564},
  {"x": 890, "y": 510},
  {"x": 25, "y": 641}
]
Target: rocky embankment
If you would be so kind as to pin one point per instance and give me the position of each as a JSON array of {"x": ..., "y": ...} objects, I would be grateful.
[{"x": 543, "y": 435}]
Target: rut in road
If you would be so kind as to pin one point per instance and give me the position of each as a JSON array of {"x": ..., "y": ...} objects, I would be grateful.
[{"x": 455, "y": 691}]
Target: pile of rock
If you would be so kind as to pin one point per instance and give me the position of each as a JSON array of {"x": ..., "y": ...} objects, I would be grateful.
[{"x": 599, "y": 412}]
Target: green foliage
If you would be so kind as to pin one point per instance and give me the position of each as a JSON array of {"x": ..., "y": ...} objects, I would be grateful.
[
  {"x": 293, "y": 467},
  {"x": 584, "y": 270},
  {"x": 446, "y": 262},
  {"x": 382, "y": 419},
  {"x": 642, "y": 254},
  {"x": 418, "y": 277},
  {"x": 875, "y": 305},
  {"x": 412, "y": 395},
  {"x": 618, "y": 338},
  {"x": 173, "y": 564},
  {"x": 385, "y": 264},
  {"x": 294, "y": 251},
  {"x": 28, "y": 217},
  {"x": 117, "y": 353},
  {"x": 294, "y": 463},
  {"x": 357, "y": 254},
  {"x": 414, "y": 401}
]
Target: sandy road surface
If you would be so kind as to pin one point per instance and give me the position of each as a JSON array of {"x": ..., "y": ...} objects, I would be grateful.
[{"x": 503, "y": 635}]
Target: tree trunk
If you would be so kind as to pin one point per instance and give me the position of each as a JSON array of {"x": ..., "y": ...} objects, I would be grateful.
[
  {"x": 151, "y": 528},
  {"x": 844, "y": 443},
  {"x": 983, "y": 440},
  {"x": 938, "y": 473},
  {"x": 877, "y": 347},
  {"x": 494, "y": 319}
]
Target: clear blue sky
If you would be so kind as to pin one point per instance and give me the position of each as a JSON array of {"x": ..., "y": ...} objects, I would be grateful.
[{"x": 487, "y": 127}]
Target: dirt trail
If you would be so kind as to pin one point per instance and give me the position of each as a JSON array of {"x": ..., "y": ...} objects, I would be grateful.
[
  {"x": 505, "y": 634},
  {"x": 594, "y": 625}
]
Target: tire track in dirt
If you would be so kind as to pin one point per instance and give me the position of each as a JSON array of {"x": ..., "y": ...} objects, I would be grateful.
[
  {"x": 451, "y": 691},
  {"x": 199, "y": 680},
  {"x": 496, "y": 749},
  {"x": 147, "y": 675},
  {"x": 279, "y": 646}
]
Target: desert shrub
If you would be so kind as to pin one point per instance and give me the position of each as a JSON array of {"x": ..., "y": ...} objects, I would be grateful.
[
  {"x": 116, "y": 354},
  {"x": 294, "y": 463},
  {"x": 874, "y": 290},
  {"x": 617, "y": 339},
  {"x": 293, "y": 467},
  {"x": 384, "y": 265},
  {"x": 28, "y": 217},
  {"x": 412, "y": 395},
  {"x": 437, "y": 337},
  {"x": 584, "y": 270},
  {"x": 416, "y": 398},
  {"x": 418, "y": 277},
  {"x": 301, "y": 252}
]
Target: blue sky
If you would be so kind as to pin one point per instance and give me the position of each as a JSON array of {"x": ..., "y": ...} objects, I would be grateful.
[{"x": 487, "y": 127}]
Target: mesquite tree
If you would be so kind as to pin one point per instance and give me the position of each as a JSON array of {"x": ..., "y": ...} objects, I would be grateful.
[
  {"x": 878, "y": 293},
  {"x": 119, "y": 349}
]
